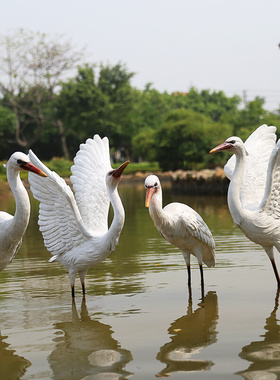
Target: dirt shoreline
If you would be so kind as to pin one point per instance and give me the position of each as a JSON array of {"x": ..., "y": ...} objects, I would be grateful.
[{"x": 207, "y": 181}]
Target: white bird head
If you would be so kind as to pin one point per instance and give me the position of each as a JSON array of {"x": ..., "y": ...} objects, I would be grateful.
[
  {"x": 113, "y": 176},
  {"x": 20, "y": 161},
  {"x": 232, "y": 144},
  {"x": 152, "y": 185}
]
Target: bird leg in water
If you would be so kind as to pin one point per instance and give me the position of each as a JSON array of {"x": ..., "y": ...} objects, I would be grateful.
[
  {"x": 189, "y": 275},
  {"x": 270, "y": 254},
  {"x": 73, "y": 291},
  {"x": 82, "y": 275},
  {"x": 275, "y": 271},
  {"x": 189, "y": 281},
  {"x": 84, "y": 287},
  {"x": 202, "y": 280}
]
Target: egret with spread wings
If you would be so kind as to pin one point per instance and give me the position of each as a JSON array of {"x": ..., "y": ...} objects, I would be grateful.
[
  {"x": 75, "y": 228},
  {"x": 181, "y": 226},
  {"x": 253, "y": 194},
  {"x": 12, "y": 228}
]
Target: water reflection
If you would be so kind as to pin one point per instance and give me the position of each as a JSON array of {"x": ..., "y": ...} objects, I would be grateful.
[
  {"x": 12, "y": 366},
  {"x": 87, "y": 350},
  {"x": 264, "y": 354},
  {"x": 190, "y": 334}
]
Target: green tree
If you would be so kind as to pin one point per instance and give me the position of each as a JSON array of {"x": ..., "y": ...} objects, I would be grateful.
[
  {"x": 82, "y": 107},
  {"x": 213, "y": 104},
  {"x": 98, "y": 100},
  {"x": 144, "y": 145},
  {"x": 115, "y": 83},
  {"x": 32, "y": 65},
  {"x": 184, "y": 140},
  {"x": 249, "y": 118}
]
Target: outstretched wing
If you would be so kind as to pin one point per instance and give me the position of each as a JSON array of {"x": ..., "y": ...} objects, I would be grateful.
[
  {"x": 271, "y": 200},
  {"x": 59, "y": 217},
  {"x": 259, "y": 146},
  {"x": 91, "y": 164}
]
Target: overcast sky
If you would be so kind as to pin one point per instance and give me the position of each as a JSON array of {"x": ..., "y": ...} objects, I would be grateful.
[{"x": 229, "y": 45}]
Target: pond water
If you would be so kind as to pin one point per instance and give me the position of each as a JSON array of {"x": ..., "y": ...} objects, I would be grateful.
[{"x": 137, "y": 320}]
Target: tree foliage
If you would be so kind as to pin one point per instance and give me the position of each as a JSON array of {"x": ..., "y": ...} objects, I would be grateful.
[
  {"x": 53, "y": 101},
  {"x": 185, "y": 137},
  {"x": 32, "y": 64}
]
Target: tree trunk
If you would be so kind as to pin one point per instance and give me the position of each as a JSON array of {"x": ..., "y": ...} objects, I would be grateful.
[{"x": 62, "y": 137}]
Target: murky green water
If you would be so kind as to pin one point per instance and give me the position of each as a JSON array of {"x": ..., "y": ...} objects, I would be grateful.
[{"x": 137, "y": 321}]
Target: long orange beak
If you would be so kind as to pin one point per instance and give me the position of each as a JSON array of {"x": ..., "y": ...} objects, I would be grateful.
[
  {"x": 223, "y": 146},
  {"x": 118, "y": 172},
  {"x": 149, "y": 194},
  {"x": 31, "y": 168}
]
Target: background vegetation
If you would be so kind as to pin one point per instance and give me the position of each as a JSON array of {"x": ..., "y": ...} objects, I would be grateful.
[{"x": 52, "y": 101}]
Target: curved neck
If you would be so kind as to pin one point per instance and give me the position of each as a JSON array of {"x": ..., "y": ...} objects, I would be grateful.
[
  {"x": 22, "y": 213},
  {"x": 116, "y": 226},
  {"x": 155, "y": 209},
  {"x": 234, "y": 199}
]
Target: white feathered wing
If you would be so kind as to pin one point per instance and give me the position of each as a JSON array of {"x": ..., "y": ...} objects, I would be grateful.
[
  {"x": 259, "y": 147},
  {"x": 67, "y": 221}
]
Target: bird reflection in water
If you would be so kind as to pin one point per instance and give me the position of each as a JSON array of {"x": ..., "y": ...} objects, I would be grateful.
[
  {"x": 189, "y": 335},
  {"x": 264, "y": 354},
  {"x": 11, "y": 366},
  {"x": 87, "y": 350}
]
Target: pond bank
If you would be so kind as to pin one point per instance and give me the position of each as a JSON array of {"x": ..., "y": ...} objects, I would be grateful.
[
  {"x": 207, "y": 181},
  {"x": 203, "y": 182}
]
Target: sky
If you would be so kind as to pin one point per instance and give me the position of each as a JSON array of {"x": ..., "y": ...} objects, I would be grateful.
[{"x": 220, "y": 45}]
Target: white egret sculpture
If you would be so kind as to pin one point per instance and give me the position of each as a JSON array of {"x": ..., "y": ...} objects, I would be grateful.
[
  {"x": 181, "y": 226},
  {"x": 12, "y": 228},
  {"x": 253, "y": 194},
  {"x": 75, "y": 228}
]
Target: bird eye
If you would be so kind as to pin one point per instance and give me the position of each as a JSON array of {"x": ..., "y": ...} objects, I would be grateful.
[
  {"x": 232, "y": 142},
  {"x": 19, "y": 162},
  {"x": 155, "y": 184}
]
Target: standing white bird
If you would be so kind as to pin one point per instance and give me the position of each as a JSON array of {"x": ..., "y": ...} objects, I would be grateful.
[
  {"x": 75, "y": 229},
  {"x": 253, "y": 194},
  {"x": 181, "y": 226},
  {"x": 12, "y": 228}
]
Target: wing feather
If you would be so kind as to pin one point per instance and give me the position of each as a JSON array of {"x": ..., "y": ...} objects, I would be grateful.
[
  {"x": 196, "y": 226},
  {"x": 59, "y": 218},
  {"x": 259, "y": 146},
  {"x": 91, "y": 164},
  {"x": 271, "y": 200}
]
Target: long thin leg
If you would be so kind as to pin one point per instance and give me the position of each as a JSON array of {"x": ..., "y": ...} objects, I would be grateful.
[
  {"x": 187, "y": 258},
  {"x": 72, "y": 276},
  {"x": 270, "y": 254},
  {"x": 84, "y": 287},
  {"x": 73, "y": 291},
  {"x": 189, "y": 282},
  {"x": 82, "y": 275},
  {"x": 189, "y": 276},
  {"x": 202, "y": 280},
  {"x": 275, "y": 271}
]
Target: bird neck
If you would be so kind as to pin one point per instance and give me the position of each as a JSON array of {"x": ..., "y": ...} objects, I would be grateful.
[
  {"x": 22, "y": 213},
  {"x": 156, "y": 211},
  {"x": 116, "y": 226},
  {"x": 234, "y": 196}
]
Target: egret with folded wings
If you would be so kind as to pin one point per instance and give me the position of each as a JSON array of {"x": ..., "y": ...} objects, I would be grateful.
[{"x": 13, "y": 227}]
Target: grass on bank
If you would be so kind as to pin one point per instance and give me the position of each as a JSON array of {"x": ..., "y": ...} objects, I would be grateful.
[{"x": 62, "y": 167}]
